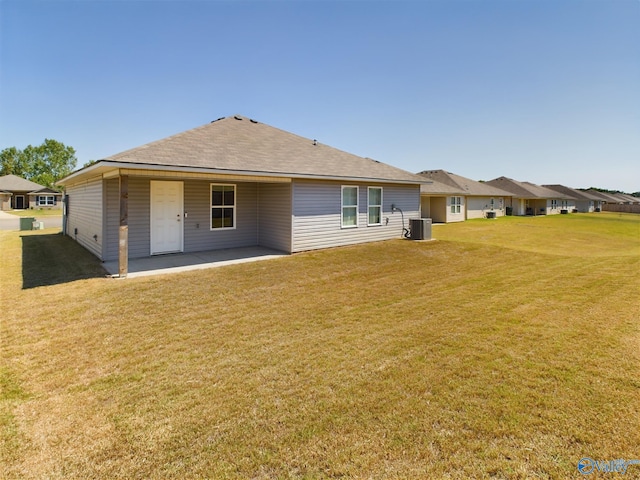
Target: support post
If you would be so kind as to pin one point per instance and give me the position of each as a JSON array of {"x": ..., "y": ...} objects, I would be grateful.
[{"x": 123, "y": 234}]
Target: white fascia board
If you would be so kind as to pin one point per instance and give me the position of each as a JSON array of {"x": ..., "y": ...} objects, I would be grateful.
[{"x": 103, "y": 167}]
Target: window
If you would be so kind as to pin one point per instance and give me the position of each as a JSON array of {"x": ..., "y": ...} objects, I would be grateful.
[
  {"x": 45, "y": 200},
  {"x": 223, "y": 206},
  {"x": 375, "y": 205},
  {"x": 349, "y": 207},
  {"x": 492, "y": 203},
  {"x": 456, "y": 204},
  {"x": 554, "y": 203}
]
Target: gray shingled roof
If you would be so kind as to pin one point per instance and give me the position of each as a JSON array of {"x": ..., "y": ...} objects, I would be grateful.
[
  {"x": 45, "y": 191},
  {"x": 627, "y": 198},
  {"x": 240, "y": 145},
  {"x": 571, "y": 192},
  {"x": 13, "y": 183},
  {"x": 434, "y": 187},
  {"x": 464, "y": 185},
  {"x": 524, "y": 189},
  {"x": 603, "y": 196}
]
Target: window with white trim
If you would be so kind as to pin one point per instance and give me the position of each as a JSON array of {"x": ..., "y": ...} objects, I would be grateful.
[
  {"x": 223, "y": 206},
  {"x": 554, "y": 203},
  {"x": 349, "y": 207},
  {"x": 456, "y": 204},
  {"x": 374, "y": 200},
  {"x": 45, "y": 200}
]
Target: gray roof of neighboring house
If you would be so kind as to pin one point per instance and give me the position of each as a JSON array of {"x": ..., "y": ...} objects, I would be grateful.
[
  {"x": 627, "y": 198},
  {"x": 464, "y": 185},
  {"x": 13, "y": 183},
  {"x": 603, "y": 196},
  {"x": 241, "y": 146},
  {"x": 524, "y": 189},
  {"x": 433, "y": 187},
  {"x": 572, "y": 192},
  {"x": 45, "y": 190}
]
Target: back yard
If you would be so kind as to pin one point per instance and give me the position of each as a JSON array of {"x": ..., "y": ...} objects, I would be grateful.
[{"x": 505, "y": 349}]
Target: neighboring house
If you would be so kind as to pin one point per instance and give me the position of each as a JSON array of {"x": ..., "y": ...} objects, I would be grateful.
[
  {"x": 627, "y": 199},
  {"x": 617, "y": 202},
  {"x": 531, "y": 199},
  {"x": 235, "y": 182},
  {"x": 584, "y": 201},
  {"x": 471, "y": 199},
  {"x": 441, "y": 202},
  {"x": 17, "y": 193},
  {"x": 604, "y": 197}
]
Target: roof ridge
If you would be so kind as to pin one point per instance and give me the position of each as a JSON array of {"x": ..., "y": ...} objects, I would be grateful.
[{"x": 241, "y": 144}]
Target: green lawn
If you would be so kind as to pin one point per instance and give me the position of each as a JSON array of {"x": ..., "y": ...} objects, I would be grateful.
[
  {"x": 36, "y": 212},
  {"x": 507, "y": 348}
]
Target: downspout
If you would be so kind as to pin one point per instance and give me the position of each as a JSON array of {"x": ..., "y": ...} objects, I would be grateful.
[{"x": 65, "y": 213}]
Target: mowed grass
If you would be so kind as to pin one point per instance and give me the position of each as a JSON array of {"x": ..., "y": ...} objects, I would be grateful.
[
  {"x": 505, "y": 349},
  {"x": 36, "y": 212}
]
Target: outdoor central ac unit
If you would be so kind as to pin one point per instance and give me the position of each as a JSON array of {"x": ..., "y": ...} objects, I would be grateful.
[{"x": 420, "y": 228}]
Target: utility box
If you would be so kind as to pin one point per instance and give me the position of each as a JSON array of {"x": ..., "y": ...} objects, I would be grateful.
[
  {"x": 420, "y": 228},
  {"x": 491, "y": 214},
  {"x": 26, "y": 223}
]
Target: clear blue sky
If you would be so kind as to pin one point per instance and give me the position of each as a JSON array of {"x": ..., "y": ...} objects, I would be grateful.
[{"x": 540, "y": 91}]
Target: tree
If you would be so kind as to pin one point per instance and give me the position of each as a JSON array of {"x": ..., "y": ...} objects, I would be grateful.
[
  {"x": 11, "y": 162},
  {"x": 44, "y": 164}
]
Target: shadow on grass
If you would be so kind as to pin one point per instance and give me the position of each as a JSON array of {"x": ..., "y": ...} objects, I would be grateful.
[{"x": 51, "y": 259}]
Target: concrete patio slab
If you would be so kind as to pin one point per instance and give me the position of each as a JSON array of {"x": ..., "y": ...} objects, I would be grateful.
[{"x": 183, "y": 262}]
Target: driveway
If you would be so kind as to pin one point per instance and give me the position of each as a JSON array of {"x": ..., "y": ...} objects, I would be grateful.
[{"x": 12, "y": 222}]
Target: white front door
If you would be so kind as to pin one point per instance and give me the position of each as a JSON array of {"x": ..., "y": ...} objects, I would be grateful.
[{"x": 166, "y": 217}]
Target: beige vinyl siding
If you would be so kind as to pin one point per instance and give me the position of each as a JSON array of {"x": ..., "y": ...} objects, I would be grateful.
[
  {"x": 274, "y": 216},
  {"x": 585, "y": 205},
  {"x": 561, "y": 204},
  {"x": 438, "y": 209},
  {"x": 477, "y": 207},
  {"x": 317, "y": 211},
  {"x": 85, "y": 215},
  {"x": 425, "y": 206},
  {"x": 455, "y": 217}
]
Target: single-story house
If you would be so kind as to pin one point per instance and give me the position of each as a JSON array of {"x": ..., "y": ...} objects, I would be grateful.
[
  {"x": 441, "y": 202},
  {"x": 604, "y": 197},
  {"x": 17, "y": 193},
  {"x": 584, "y": 201},
  {"x": 235, "y": 182},
  {"x": 617, "y": 202},
  {"x": 471, "y": 199},
  {"x": 531, "y": 199},
  {"x": 627, "y": 199}
]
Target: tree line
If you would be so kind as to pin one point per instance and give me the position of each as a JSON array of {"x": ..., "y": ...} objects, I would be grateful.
[{"x": 44, "y": 164}]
